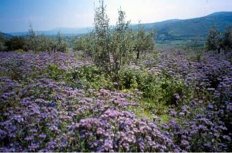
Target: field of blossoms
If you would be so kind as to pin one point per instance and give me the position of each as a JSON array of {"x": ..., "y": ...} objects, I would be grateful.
[{"x": 62, "y": 102}]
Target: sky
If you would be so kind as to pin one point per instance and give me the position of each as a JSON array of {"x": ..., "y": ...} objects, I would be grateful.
[{"x": 17, "y": 15}]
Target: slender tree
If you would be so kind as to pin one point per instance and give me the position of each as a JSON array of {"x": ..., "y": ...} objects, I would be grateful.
[
  {"x": 60, "y": 43},
  {"x": 101, "y": 38},
  {"x": 120, "y": 42},
  {"x": 31, "y": 41}
]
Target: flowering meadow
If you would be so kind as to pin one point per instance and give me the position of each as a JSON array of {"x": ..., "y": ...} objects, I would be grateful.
[{"x": 62, "y": 102}]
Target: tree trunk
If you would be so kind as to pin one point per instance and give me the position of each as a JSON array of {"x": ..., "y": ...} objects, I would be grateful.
[{"x": 138, "y": 54}]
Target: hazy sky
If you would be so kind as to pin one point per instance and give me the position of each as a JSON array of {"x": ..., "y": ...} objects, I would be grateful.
[{"x": 16, "y": 15}]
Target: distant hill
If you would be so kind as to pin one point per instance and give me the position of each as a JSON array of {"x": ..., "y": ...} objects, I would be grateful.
[
  {"x": 64, "y": 31},
  {"x": 5, "y": 36},
  {"x": 190, "y": 28}
]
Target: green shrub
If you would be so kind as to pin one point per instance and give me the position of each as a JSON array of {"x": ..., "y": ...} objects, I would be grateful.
[
  {"x": 89, "y": 77},
  {"x": 84, "y": 43},
  {"x": 20, "y": 51},
  {"x": 35, "y": 42},
  {"x": 212, "y": 42},
  {"x": 60, "y": 44},
  {"x": 160, "y": 88},
  {"x": 227, "y": 39},
  {"x": 2, "y": 43},
  {"x": 2, "y": 46},
  {"x": 127, "y": 80},
  {"x": 55, "y": 72},
  {"x": 15, "y": 43}
]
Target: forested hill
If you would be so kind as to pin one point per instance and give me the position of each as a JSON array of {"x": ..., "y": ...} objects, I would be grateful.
[
  {"x": 187, "y": 29},
  {"x": 190, "y": 28}
]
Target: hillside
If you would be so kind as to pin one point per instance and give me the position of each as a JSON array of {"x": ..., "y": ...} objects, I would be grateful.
[
  {"x": 65, "y": 31},
  {"x": 190, "y": 28}
]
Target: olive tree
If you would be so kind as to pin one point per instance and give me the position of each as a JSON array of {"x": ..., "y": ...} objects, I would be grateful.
[
  {"x": 101, "y": 38},
  {"x": 114, "y": 47},
  {"x": 31, "y": 40},
  {"x": 144, "y": 42},
  {"x": 120, "y": 45},
  {"x": 60, "y": 44}
]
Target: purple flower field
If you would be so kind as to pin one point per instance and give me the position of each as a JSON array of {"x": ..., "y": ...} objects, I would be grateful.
[{"x": 43, "y": 109}]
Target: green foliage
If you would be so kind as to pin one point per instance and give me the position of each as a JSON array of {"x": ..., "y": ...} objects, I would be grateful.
[
  {"x": 217, "y": 41},
  {"x": 83, "y": 43},
  {"x": 31, "y": 40},
  {"x": 55, "y": 72},
  {"x": 2, "y": 43},
  {"x": 159, "y": 88},
  {"x": 43, "y": 43},
  {"x": 102, "y": 38},
  {"x": 38, "y": 43},
  {"x": 113, "y": 48},
  {"x": 60, "y": 44},
  {"x": 158, "y": 91},
  {"x": 2, "y": 46},
  {"x": 143, "y": 42},
  {"x": 213, "y": 40},
  {"x": 20, "y": 51},
  {"x": 227, "y": 41},
  {"x": 15, "y": 43},
  {"x": 130, "y": 78},
  {"x": 80, "y": 44},
  {"x": 89, "y": 77},
  {"x": 120, "y": 45},
  {"x": 85, "y": 77}
]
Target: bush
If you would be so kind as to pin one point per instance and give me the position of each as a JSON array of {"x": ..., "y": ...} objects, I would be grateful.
[
  {"x": 55, "y": 72},
  {"x": 60, "y": 44},
  {"x": 89, "y": 77},
  {"x": 160, "y": 88},
  {"x": 213, "y": 40},
  {"x": 216, "y": 41},
  {"x": 227, "y": 41},
  {"x": 2, "y": 44},
  {"x": 84, "y": 43},
  {"x": 38, "y": 43},
  {"x": 15, "y": 43}
]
